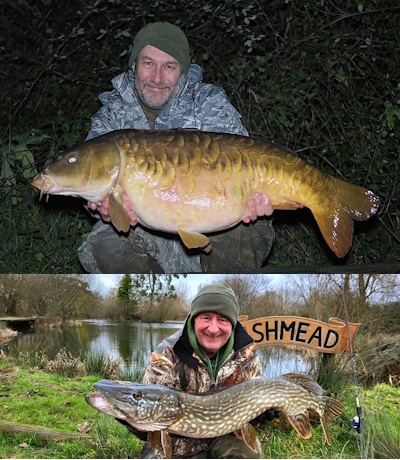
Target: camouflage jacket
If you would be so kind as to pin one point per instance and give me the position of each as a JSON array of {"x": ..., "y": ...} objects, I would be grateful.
[
  {"x": 194, "y": 105},
  {"x": 175, "y": 365}
]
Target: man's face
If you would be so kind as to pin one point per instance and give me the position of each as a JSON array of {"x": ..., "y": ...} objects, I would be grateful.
[
  {"x": 156, "y": 76},
  {"x": 212, "y": 331}
]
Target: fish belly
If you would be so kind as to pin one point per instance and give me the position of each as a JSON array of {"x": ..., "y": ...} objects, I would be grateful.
[{"x": 202, "y": 203}]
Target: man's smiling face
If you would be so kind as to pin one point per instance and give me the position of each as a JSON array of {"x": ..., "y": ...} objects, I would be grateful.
[{"x": 156, "y": 76}]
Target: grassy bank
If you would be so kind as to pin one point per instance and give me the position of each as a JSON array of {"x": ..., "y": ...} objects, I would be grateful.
[{"x": 36, "y": 397}]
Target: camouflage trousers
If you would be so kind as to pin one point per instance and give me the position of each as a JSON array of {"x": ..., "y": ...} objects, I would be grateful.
[
  {"x": 227, "y": 446},
  {"x": 244, "y": 247}
]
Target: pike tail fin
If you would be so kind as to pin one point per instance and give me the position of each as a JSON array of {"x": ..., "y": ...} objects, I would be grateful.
[
  {"x": 350, "y": 202},
  {"x": 333, "y": 409}
]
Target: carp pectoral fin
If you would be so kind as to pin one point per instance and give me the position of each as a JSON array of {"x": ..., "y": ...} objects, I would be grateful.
[
  {"x": 194, "y": 240},
  {"x": 158, "y": 439},
  {"x": 248, "y": 435},
  {"x": 301, "y": 423},
  {"x": 119, "y": 216}
]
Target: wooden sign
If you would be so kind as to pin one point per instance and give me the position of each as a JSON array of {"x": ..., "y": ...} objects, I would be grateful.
[{"x": 332, "y": 337}]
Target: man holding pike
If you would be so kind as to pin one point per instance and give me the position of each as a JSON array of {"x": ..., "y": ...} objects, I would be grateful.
[
  {"x": 211, "y": 352},
  {"x": 163, "y": 90}
]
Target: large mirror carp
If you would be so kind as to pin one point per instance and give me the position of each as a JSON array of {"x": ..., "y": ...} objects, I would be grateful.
[{"x": 193, "y": 183}]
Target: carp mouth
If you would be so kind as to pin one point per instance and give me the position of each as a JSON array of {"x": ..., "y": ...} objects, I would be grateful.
[{"x": 44, "y": 183}]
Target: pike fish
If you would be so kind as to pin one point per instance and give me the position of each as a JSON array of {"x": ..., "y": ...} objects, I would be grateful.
[
  {"x": 160, "y": 410},
  {"x": 193, "y": 183}
]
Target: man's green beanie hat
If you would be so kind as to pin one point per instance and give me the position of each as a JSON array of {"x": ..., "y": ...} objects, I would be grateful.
[
  {"x": 166, "y": 37},
  {"x": 217, "y": 298}
]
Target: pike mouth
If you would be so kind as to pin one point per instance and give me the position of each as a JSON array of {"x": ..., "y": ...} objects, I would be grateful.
[{"x": 96, "y": 400}]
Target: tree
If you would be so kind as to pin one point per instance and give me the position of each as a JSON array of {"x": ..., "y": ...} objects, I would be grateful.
[
  {"x": 247, "y": 289},
  {"x": 11, "y": 291},
  {"x": 38, "y": 302},
  {"x": 324, "y": 296},
  {"x": 126, "y": 299},
  {"x": 67, "y": 296},
  {"x": 151, "y": 290}
]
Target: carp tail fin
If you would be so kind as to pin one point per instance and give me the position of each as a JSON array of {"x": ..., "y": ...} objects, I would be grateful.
[{"x": 348, "y": 203}]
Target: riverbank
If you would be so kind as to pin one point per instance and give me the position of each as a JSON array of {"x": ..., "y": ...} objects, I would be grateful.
[
  {"x": 6, "y": 334},
  {"x": 41, "y": 398}
]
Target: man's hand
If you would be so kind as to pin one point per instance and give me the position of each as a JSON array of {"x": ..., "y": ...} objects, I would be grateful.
[
  {"x": 102, "y": 209},
  {"x": 259, "y": 206}
]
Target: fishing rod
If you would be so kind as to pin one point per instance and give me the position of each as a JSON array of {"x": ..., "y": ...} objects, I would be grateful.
[{"x": 357, "y": 422}]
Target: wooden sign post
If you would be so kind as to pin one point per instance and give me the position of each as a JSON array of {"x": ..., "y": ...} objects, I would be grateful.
[{"x": 332, "y": 337}]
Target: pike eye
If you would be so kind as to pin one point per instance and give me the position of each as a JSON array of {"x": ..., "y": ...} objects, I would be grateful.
[
  {"x": 72, "y": 159},
  {"x": 137, "y": 396}
]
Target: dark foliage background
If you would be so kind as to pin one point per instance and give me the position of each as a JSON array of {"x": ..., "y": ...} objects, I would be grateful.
[{"x": 321, "y": 77}]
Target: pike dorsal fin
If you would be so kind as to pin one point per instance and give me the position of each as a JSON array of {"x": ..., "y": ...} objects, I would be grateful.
[
  {"x": 301, "y": 423},
  {"x": 248, "y": 435},
  {"x": 119, "y": 216},
  {"x": 194, "y": 240},
  {"x": 305, "y": 382}
]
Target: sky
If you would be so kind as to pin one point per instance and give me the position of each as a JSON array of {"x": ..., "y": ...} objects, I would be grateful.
[{"x": 193, "y": 281}]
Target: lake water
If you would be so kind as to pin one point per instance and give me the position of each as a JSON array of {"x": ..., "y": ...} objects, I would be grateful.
[{"x": 132, "y": 343}]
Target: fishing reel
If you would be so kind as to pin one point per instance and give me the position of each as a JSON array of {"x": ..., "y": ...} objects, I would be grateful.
[{"x": 356, "y": 423}]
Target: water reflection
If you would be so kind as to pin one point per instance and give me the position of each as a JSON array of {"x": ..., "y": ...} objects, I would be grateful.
[{"x": 132, "y": 344}]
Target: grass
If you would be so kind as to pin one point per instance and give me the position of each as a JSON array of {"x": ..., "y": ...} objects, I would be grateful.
[
  {"x": 37, "y": 397},
  {"x": 53, "y": 401}
]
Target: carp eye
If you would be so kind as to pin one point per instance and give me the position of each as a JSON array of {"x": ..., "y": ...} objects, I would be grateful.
[
  {"x": 137, "y": 396},
  {"x": 72, "y": 159}
]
